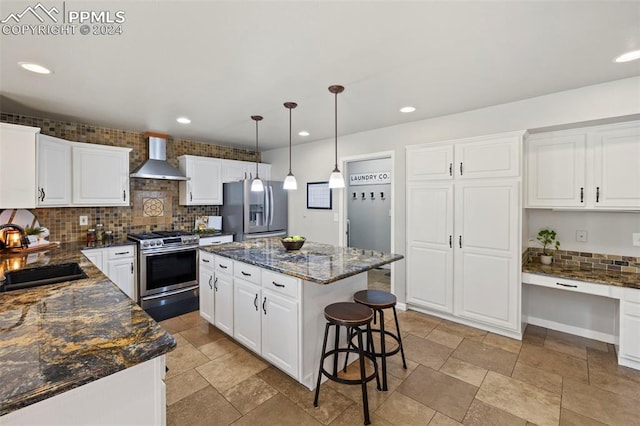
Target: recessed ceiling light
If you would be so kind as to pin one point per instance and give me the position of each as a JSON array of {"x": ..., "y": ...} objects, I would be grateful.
[
  {"x": 629, "y": 56},
  {"x": 30, "y": 66},
  {"x": 407, "y": 109},
  {"x": 303, "y": 133},
  {"x": 183, "y": 120}
]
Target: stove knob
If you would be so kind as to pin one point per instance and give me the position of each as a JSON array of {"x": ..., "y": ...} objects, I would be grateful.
[{"x": 145, "y": 244}]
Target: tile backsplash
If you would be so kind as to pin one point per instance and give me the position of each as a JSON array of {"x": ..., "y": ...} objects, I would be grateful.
[
  {"x": 63, "y": 222},
  {"x": 587, "y": 260}
]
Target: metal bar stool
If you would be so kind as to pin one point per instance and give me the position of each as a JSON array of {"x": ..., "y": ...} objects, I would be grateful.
[
  {"x": 379, "y": 300},
  {"x": 353, "y": 316}
]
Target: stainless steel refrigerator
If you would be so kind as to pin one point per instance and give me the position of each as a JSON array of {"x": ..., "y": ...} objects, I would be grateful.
[{"x": 254, "y": 214}]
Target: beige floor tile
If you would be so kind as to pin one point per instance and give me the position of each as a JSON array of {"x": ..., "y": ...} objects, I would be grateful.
[
  {"x": 577, "y": 341},
  {"x": 520, "y": 399},
  {"x": 331, "y": 403},
  {"x": 174, "y": 325},
  {"x": 462, "y": 330},
  {"x": 439, "y": 391},
  {"x": 193, "y": 318},
  {"x": 608, "y": 363},
  {"x": 183, "y": 358},
  {"x": 219, "y": 348},
  {"x": 486, "y": 356},
  {"x": 183, "y": 385},
  {"x": 354, "y": 415},
  {"x": 278, "y": 410},
  {"x": 441, "y": 420},
  {"x": 286, "y": 385},
  {"x": 481, "y": 414},
  {"x": 598, "y": 404},
  {"x": 230, "y": 369},
  {"x": 411, "y": 322},
  {"x": 553, "y": 362},
  {"x": 551, "y": 382},
  {"x": 445, "y": 339},
  {"x": 502, "y": 342},
  {"x": 395, "y": 367},
  {"x": 201, "y": 408},
  {"x": 425, "y": 352},
  {"x": 614, "y": 383},
  {"x": 402, "y": 410},
  {"x": 181, "y": 341},
  {"x": 202, "y": 334},
  {"x": 569, "y": 418},
  {"x": 534, "y": 335},
  {"x": 376, "y": 397},
  {"x": 566, "y": 348},
  {"x": 248, "y": 394},
  {"x": 464, "y": 371}
]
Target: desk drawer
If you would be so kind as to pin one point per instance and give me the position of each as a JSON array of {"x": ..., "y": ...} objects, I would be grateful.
[
  {"x": 566, "y": 284},
  {"x": 283, "y": 284},
  {"x": 247, "y": 272}
]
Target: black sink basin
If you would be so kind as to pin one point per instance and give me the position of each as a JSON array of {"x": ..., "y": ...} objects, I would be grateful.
[{"x": 34, "y": 277}]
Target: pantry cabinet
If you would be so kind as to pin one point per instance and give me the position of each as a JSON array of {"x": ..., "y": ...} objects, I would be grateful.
[
  {"x": 17, "y": 166},
  {"x": 54, "y": 172},
  {"x": 204, "y": 186},
  {"x": 100, "y": 175}
]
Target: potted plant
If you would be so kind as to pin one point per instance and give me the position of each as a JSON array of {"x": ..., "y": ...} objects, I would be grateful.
[{"x": 547, "y": 238}]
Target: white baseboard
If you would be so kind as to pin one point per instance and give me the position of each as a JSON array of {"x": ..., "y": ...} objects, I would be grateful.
[
  {"x": 401, "y": 306},
  {"x": 578, "y": 331}
]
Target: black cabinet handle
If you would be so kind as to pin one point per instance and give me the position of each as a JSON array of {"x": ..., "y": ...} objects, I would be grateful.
[
  {"x": 277, "y": 285},
  {"x": 205, "y": 260},
  {"x": 120, "y": 253},
  {"x": 43, "y": 194},
  {"x": 222, "y": 266},
  {"x": 450, "y": 241},
  {"x": 597, "y": 194},
  {"x": 215, "y": 284},
  {"x": 460, "y": 241},
  {"x": 461, "y": 168},
  {"x": 567, "y": 285},
  {"x": 210, "y": 278},
  {"x": 450, "y": 169},
  {"x": 263, "y": 306},
  {"x": 246, "y": 274},
  {"x": 190, "y": 196},
  {"x": 255, "y": 302},
  {"x": 132, "y": 267},
  {"x": 124, "y": 195},
  {"x": 582, "y": 194}
]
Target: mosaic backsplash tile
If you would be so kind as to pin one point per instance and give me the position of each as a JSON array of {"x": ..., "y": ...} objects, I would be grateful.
[
  {"x": 63, "y": 223},
  {"x": 586, "y": 260}
]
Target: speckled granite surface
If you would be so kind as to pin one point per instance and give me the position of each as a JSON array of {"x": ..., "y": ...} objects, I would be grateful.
[
  {"x": 598, "y": 276},
  {"x": 61, "y": 336},
  {"x": 319, "y": 263}
]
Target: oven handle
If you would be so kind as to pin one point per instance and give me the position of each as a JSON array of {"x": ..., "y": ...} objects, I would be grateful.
[{"x": 170, "y": 293}]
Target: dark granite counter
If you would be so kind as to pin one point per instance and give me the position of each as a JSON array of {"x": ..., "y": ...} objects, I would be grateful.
[
  {"x": 319, "y": 263},
  {"x": 57, "y": 337},
  {"x": 598, "y": 276}
]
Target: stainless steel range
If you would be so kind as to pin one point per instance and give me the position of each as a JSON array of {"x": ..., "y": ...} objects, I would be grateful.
[{"x": 167, "y": 272}]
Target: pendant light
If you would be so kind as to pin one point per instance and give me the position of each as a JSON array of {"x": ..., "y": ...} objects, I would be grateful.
[
  {"x": 290, "y": 181},
  {"x": 336, "y": 180},
  {"x": 256, "y": 184}
]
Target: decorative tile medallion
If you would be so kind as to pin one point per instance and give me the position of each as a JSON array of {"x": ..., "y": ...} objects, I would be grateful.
[{"x": 152, "y": 208}]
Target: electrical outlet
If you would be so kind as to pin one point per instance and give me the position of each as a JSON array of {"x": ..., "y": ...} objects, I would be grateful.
[
  {"x": 581, "y": 236},
  {"x": 84, "y": 220},
  {"x": 636, "y": 239}
]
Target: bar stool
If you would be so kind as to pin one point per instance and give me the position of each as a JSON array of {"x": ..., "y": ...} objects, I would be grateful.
[
  {"x": 379, "y": 300},
  {"x": 353, "y": 316}
]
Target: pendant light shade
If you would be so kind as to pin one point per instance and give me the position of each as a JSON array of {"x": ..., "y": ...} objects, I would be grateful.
[
  {"x": 336, "y": 180},
  {"x": 256, "y": 184},
  {"x": 290, "y": 182}
]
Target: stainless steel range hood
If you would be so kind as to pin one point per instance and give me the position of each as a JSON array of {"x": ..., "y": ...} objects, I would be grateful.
[{"x": 156, "y": 167}]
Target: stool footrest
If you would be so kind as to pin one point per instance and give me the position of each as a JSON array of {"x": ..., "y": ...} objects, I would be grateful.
[{"x": 337, "y": 378}]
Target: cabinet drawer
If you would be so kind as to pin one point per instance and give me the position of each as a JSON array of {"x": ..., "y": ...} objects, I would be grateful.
[
  {"x": 121, "y": 252},
  {"x": 632, "y": 295},
  {"x": 206, "y": 259},
  {"x": 279, "y": 283},
  {"x": 224, "y": 265},
  {"x": 247, "y": 272},
  {"x": 567, "y": 284}
]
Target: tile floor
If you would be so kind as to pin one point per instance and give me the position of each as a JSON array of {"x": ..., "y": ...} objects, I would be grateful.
[{"x": 456, "y": 375}]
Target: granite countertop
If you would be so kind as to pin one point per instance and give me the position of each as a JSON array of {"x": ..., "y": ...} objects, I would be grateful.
[
  {"x": 315, "y": 262},
  {"x": 57, "y": 337},
  {"x": 597, "y": 276}
]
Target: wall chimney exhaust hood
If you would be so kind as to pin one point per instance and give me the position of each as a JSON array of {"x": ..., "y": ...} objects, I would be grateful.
[{"x": 156, "y": 167}]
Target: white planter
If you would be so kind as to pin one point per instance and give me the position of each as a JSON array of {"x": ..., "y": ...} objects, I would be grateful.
[{"x": 546, "y": 260}]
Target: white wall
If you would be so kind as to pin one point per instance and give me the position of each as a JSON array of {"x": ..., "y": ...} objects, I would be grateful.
[{"x": 314, "y": 161}]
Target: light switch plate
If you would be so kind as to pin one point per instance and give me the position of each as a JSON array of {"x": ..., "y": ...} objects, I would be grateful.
[
  {"x": 84, "y": 220},
  {"x": 636, "y": 239},
  {"x": 581, "y": 236}
]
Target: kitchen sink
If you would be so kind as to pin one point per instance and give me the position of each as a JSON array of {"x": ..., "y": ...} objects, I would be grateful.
[{"x": 44, "y": 275}]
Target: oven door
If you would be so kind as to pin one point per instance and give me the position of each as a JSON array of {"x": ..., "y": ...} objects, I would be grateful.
[{"x": 166, "y": 270}]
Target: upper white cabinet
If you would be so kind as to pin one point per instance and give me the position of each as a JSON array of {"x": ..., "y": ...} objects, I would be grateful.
[
  {"x": 430, "y": 162},
  {"x": 17, "y": 166},
  {"x": 234, "y": 171},
  {"x": 100, "y": 175},
  {"x": 204, "y": 186},
  {"x": 589, "y": 168},
  {"x": 54, "y": 172}
]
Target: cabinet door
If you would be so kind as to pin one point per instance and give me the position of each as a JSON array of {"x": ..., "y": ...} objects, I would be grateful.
[
  {"x": 616, "y": 179},
  {"x": 54, "y": 172},
  {"x": 426, "y": 162},
  {"x": 96, "y": 257},
  {"x": 492, "y": 156},
  {"x": 17, "y": 166},
  {"x": 100, "y": 175},
  {"x": 280, "y": 332},
  {"x": 630, "y": 325},
  {"x": 205, "y": 184},
  {"x": 430, "y": 241},
  {"x": 223, "y": 302},
  {"x": 233, "y": 171},
  {"x": 205, "y": 282},
  {"x": 121, "y": 272},
  {"x": 556, "y": 170},
  {"x": 265, "y": 171},
  {"x": 487, "y": 253},
  {"x": 246, "y": 314}
]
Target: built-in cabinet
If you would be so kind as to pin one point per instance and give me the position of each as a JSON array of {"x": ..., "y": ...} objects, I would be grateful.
[
  {"x": 118, "y": 264},
  {"x": 629, "y": 349},
  {"x": 100, "y": 175},
  {"x": 463, "y": 230},
  {"x": 592, "y": 168},
  {"x": 17, "y": 166},
  {"x": 54, "y": 172},
  {"x": 233, "y": 171},
  {"x": 223, "y": 294},
  {"x": 205, "y": 282}
]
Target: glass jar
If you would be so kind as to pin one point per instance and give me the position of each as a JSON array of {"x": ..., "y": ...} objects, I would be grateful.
[
  {"x": 91, "y": 237},
  {"x": 99, "y": 233},
  {"x": 108, "y": 238}
]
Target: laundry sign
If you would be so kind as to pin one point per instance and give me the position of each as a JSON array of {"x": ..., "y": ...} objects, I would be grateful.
[{"x": 371, "y": 178}]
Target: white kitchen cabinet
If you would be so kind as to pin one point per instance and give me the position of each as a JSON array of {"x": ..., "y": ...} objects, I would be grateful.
[
  {"x": 118, "y": 264},
  {"x": 223, "y": 302},
  {"x": 247, "y": 304},
  {"x": 629, "y": 350},
  {"x": 100, "y": 175},
  {"x": 430, "y": 162},
  {"x": 493, "y": 156},
  {"x": 234, "y": 171},
  {"x": 280, "y": 331},
  {"x": 214, "y": 241},
  {"x": 205, "y": 280},
  {"x": 17, "y": 166},
  {"x": 54, "y": 172},
  {"x": 95, "y": 256},
  {"x": 204, "y": 186},
  {"x": 265, "y": 171}
]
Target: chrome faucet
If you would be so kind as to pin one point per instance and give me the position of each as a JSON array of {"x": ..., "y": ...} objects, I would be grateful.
[{"x": 23, "y": 235}]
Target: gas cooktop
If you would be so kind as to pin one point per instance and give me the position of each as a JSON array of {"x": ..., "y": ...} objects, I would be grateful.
[{"x": 159, "y": 239}]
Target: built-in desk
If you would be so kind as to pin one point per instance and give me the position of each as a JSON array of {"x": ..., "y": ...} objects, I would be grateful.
[{"x": 602, "y": 305}]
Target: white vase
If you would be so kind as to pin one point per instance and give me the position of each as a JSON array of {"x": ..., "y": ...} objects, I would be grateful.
[{"x": 546, "y": 260}]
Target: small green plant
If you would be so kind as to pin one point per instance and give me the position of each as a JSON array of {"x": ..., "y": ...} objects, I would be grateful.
[
  {"x": 28, "y": 230},
  {"x": 548, "y": 240}
]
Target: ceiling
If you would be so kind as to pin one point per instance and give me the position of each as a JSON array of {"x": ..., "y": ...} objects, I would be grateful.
[{"x": 219, "y": 62}]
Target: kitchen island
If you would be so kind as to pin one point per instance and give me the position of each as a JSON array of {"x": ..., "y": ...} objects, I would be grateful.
[
  {"x": 272, "y": 300},
  {"x": 78, "y": 352}
]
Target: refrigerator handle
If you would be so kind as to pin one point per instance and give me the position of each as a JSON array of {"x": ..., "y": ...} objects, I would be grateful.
[
  {"x": 267, "y": 207},
  {"x": 271, "y": 206}
]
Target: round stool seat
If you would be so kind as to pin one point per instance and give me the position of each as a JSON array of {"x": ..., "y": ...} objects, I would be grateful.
[
  {"x": 376, "y": 299},
  {"x": 348, "y": 314}
]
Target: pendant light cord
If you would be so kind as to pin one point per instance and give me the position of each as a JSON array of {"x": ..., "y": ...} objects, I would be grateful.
[
  {"x": 257, "y": 153},
  {"x": 289, "y": 140},
  {"x": 336, "y": 129}
]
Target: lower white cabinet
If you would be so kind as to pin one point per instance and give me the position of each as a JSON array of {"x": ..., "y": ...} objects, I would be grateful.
[
  {"x": 118, "y": 264},
  {"x": 629, "y": 350},
  {"x": 247, "y": 313},
  {"x": 223, "y": 302},
  {"x": 214, "y": 241},
  {"x": 205, "y": 280},
  {"x": 280, "y": 331}
]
